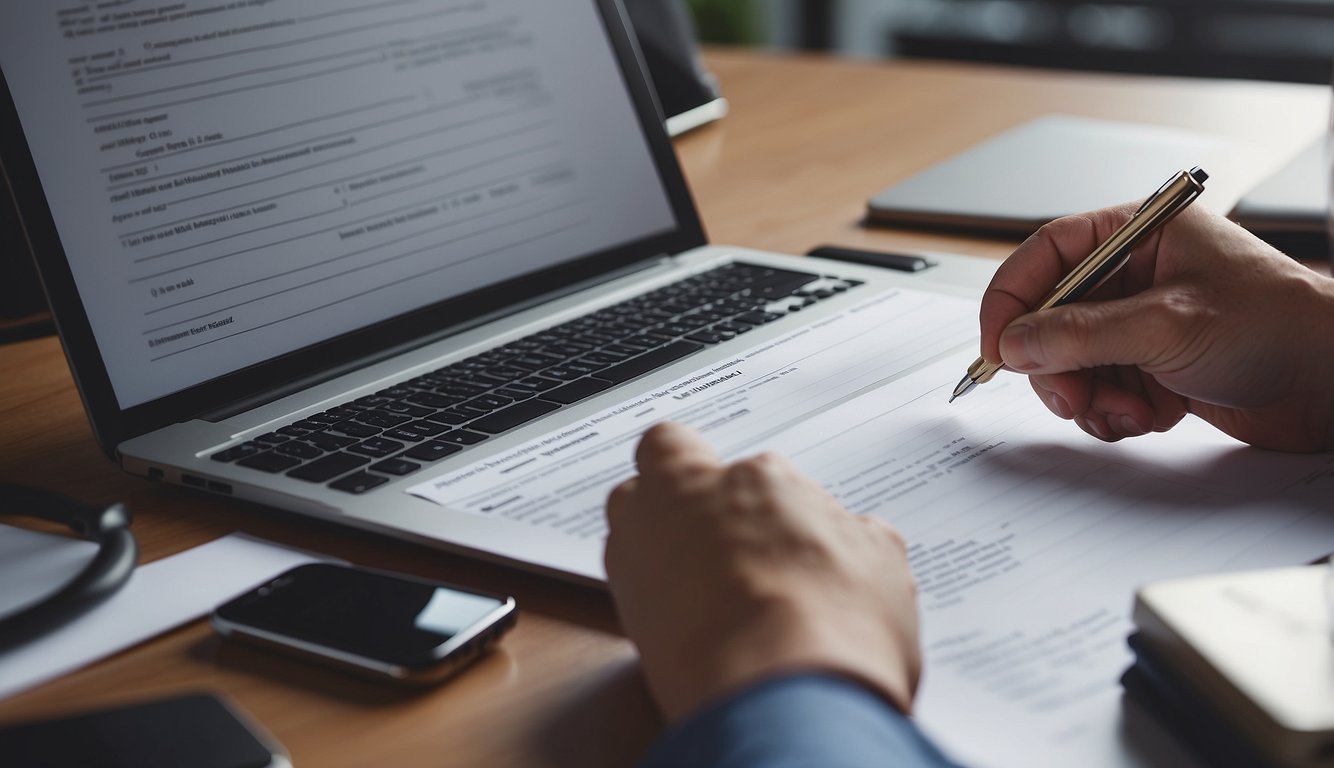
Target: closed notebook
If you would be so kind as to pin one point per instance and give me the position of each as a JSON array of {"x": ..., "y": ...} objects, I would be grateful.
[{"x": 1041, "y": 170}]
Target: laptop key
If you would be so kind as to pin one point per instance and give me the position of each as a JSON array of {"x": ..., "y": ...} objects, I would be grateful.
[
  {"x": 327, "y": 442},
  {"x": 299, "y": 450},
  {"x": 404, "y": 435},
  {"x": 425, "y": 428},
  {"x": 462, "y": 437},
  {"x": 515, "y": 394},
  {"x": 269, "y": 462},
  {"x": 384, "y": 419},
  {"x": 638, "y": 366},
  {"x": 432, "y": 451},
  {"x": 353, "y": 429},
  {"x": 376, "y": 447},
  {"x": 396, "y": 467},
  {"x": 576, "y": 390},
  {"x": 513, "y": 416},
  {"x": 329, "y": 467},
  {"x": 359, "y": 482}
]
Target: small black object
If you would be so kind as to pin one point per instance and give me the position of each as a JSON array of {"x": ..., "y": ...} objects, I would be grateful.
[
  {"x": 898, "y": 261},
  {"x": 110, "y": 568},
  {"x": 192, "y": 731}
]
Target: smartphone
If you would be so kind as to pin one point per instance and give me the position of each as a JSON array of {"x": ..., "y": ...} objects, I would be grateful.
[
  {"x": 383, "y": 624},
  {"x": 191, "y": 731}
]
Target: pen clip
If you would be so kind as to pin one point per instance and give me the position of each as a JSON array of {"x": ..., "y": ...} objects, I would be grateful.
[{"x": 1197, "y": 176}]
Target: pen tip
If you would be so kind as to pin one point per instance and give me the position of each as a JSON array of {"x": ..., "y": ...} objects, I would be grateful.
[{"x": 952, "y": 398}]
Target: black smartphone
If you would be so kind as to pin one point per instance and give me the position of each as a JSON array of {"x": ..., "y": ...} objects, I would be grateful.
[
  {"x": 384, "y": 624},
  {"x": 192, "y": 731}
]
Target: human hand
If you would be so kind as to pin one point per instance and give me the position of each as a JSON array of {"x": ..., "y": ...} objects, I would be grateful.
[
  {"x": 1205, "y": 318},
  {"x": 725, "y": 575}
]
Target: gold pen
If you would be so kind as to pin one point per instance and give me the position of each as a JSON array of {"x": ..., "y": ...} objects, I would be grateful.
[{"x": 1170, "y": 199}]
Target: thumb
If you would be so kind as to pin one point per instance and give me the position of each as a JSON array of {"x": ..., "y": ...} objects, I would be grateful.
[{"x": 1131, "y": 331}]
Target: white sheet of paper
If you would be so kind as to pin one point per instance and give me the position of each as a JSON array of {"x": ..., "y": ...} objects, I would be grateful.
[
  {"x": 159, "y": 596},
  {"x": 1027, "y": 536}
]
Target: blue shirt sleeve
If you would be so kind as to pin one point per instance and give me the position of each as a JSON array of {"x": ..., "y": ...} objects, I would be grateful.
[{"x": 801, "y": 721}]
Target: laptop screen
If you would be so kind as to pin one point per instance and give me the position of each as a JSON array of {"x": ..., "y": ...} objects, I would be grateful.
[{"x": 232, "y": 181}]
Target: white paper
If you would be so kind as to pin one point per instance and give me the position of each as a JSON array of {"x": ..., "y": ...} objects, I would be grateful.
[
  {"x": 159, "y": 596},
  {"x": 1027, "y": 536}
]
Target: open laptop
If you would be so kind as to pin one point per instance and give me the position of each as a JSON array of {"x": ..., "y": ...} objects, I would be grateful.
[{"x": 313, "y": 253}]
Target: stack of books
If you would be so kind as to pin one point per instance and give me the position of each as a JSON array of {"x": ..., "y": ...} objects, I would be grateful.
[{"x": 1241, "y": 666}]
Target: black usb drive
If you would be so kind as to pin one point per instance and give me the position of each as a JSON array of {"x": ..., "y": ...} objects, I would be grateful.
[{"x": 898, "y": 261}]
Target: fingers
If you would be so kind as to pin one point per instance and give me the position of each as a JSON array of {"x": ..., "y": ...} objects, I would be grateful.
[
  {"x": 1151, "y": 330},
  {"x": 1036, "y": 266},
  {"x": 673, "y": 449},
  {"x": 1110, "y": 405}
]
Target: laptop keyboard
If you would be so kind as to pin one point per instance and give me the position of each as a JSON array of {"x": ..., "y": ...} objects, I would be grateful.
[{"x": 366, "y": 442}]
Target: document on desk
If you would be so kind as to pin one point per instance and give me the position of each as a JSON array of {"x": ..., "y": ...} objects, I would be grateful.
[{"x": 1027, "y": 536}]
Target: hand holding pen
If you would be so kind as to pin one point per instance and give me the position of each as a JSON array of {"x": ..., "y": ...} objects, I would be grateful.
[
  {"x": 1205, "y": 319},
  {"x": 1170, "y": 199}
]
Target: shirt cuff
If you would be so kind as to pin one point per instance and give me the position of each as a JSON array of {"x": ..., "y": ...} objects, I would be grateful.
[{"x": 799, "y": 721}]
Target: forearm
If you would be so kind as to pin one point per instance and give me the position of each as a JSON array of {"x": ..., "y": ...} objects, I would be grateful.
[{"x": 800, "y": 721}]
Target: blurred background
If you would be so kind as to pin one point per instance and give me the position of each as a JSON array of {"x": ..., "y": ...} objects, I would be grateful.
[{"x": 1285, "y": 40}]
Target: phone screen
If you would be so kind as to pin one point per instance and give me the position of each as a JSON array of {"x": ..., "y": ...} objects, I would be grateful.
[{"x": 380, "y": 616}]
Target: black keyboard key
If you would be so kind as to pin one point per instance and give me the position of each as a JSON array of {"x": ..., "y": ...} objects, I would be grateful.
[
  {"x": 396, "y": 467},
  {"x": 269, "y": 462},
  {"x": 778, "y": 283},
  {"x": 329, "y": 467},
  {"x": 576, "y": 391},
  {"x": 291, "y": 431},
  {"x": 451, "y": 417},
  {"x": 382, "y": 419},
  {"x": 376, "y": 447},
  {"x": 732, "y": 327},
  {"x": 711, "y": 337},
  {"x": 489, "y": 402},
  {"x": 515, "y": 394},
  {"x": 327, "y": 442},
  {"x": 309, "y": 425},
  {"x": 242, "y": 451},
  {"x": 401, "y": 434},
  {"x": 638, "y": 366},
  {"x": 298, "y": 449},
  {"x": 513, "y": 416},
  {"x": 462, "y": 437},
  {"x": 758, "y": 318},
  {"x": 536, "y": 383},
  {"x": 373, "y": 401},
  {"x": 359, "y": 482},
  {"x": 425, "y": 428},
  {"x": 462, "y": 392},
  {"x": 353, "y": 429},
  {"x": 407, "y": 409},
  {"x": 645, "y": 341},
  {"x": 606, "y": 358},
  {"x": 272, "y": 438},
  {"x": 565, "y": 373},
  {"x": 431, "y": 400},
  {"x": 432, "y": 451}
]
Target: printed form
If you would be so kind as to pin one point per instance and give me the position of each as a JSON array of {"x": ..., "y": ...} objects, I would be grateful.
[{"x": 1027, "y": 536}]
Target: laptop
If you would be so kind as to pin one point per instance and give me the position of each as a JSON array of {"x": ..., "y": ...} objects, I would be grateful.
[{"x": 312, "y": 254}]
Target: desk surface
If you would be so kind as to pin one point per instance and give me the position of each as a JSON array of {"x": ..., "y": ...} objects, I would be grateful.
[{"x": 807, "y": 141}]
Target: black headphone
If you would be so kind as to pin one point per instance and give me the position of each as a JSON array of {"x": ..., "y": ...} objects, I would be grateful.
[{"x": 107, "y": 572}]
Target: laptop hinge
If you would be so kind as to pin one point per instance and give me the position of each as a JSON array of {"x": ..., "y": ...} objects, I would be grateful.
[{"x": 277, "y": 393}]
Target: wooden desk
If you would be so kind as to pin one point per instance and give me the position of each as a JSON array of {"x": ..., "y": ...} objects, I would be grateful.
[{"x": 808, "y": 140}]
